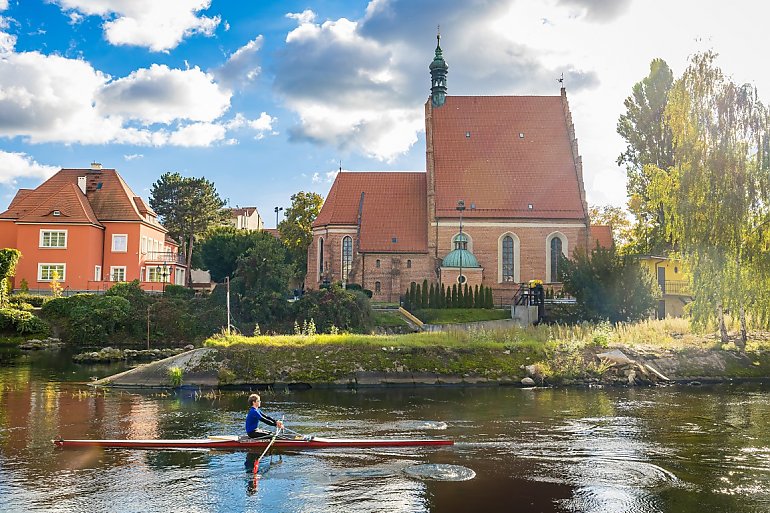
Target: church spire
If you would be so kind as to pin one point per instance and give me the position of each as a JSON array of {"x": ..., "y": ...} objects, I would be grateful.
[{"x": 438, "y": 72}]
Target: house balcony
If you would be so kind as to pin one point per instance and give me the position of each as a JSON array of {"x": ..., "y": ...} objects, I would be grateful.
[
  {"x": 676, "y": 288},
  {"x": 164, "y": 257}
]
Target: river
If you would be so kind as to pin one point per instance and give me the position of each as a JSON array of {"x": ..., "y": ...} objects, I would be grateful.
[{"x": 609, "y": 450}]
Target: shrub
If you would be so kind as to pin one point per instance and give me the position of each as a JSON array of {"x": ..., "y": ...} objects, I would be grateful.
[
  {"x": 608, "y": 286},
  {"x": 344, "y": 309},
  {"x": 175, "y": 376},
  {"x": 178, "y": 291},
  {"x": 33, "y": 300},
  {"x": 22, "y": 322}
]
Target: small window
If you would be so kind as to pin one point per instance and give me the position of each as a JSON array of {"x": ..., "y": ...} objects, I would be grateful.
[
  {"x": 377, "y": 263},
  {"x": 57, "y": 212},
  {"x": 461, "y": 279},
  {"x": 408, "y": 264},
  {"x": 144, "y": 244},
  {"x": 394, "y": 240},
  {"x": 98, "y": 273},
  {"x": 118, "y": 273},
  {"x": 47, "y": 272},
  {"x": 53, "y": 238},
  {"x": 119, "y": 243},
  {"x": 467, "y": 135},
  {"x": 521, "y": 135},
  {"x": 377, "y": 287}
]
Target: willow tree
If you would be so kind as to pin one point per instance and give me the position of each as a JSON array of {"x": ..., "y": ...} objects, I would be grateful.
[{"x": 715, "y": 195}]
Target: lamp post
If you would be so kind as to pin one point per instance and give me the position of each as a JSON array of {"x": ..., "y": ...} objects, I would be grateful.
[
  {"x": 460, "y": 208},
  {"x": 163, "y": 272},
  {"x": 276, "y": 210}
]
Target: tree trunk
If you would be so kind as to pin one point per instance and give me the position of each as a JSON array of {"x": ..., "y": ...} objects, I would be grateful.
[
  {"x": 722, "y": 327},
  {"x": 742, "y": 344},
  {"x": 189, "y": 260}
]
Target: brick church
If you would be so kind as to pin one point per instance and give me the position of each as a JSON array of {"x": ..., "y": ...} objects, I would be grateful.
[{"x": 501, "y": 197}]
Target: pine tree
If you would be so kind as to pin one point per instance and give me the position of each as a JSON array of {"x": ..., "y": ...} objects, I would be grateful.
[
  {"x": 418, "y": 298},
  {"x": 424, "y": 299},
  {"x": 413, "y": 296},
  {"x": 460, "y": 297},
  {"x": 432, "y": 297},
  {"x": 454, "y": 296},
  {"x": 447, "y": 297},
  {"x": 490, "y": 299},
  {"x": 476, "y": 296}
]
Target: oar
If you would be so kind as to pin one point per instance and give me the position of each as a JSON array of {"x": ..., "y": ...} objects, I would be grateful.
[{"x": 272, "y": 440}]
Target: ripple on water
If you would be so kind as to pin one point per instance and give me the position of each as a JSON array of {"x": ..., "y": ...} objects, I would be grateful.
[{"x": 440, "y": 472}]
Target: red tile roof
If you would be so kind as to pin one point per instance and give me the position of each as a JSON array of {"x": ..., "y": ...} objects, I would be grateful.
[
  {"x": 601, "y": 234},
  {"x": 394, "y": 207},
  {"x": 242, "y": 211},
  {"x": 107, "y": 198},
  {"x": 480, "y": 157},
  {"x": 272, "y": 231}
]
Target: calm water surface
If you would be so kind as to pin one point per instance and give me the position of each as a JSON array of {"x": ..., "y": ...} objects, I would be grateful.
[{"x": 675, "y": 449}]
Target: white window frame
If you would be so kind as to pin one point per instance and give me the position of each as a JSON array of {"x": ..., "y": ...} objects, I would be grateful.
[
  {"x": 144, "y": 245},
  {"x": 113, "y": 268},
  {"x": 40, "y": 266},
  {"x": 97, "y": 273},
  {"x": 179, "y": 273},
  {"x": 42, "y": 236},
  {"x": 115, "y": 236},
  {"x": 564, "y": 250},
  {"x": 516, "y": 260}
]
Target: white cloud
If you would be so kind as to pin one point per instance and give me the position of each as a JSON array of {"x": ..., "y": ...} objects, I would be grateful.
[
  {"x": 242, "y": 66},
  {"x": 327, "y": 177},
  {"x": 3, "y": 5},
  {"x": 55, "y": 99},
  {"x": 160, "y": 95},
  {"x": 262, "y": 125},
  {"x": 198, "y": 134},
  {"x": 21, "y": 165},
  {"x": 306, "y": 16},
  {"x": 159, "y": 25},
  {"x": 133, "y": 156}
]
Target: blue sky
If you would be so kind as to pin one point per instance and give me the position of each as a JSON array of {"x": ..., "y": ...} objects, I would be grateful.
[{"x": 266, "y": 98}]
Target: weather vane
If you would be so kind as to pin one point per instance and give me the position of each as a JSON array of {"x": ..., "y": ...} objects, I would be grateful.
[{"x": 561, "y": 80}]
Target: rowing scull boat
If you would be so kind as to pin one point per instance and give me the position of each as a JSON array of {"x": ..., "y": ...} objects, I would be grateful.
[{"x": 236, "y": 442}]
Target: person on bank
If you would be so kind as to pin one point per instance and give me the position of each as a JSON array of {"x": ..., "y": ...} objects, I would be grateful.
[{"x": 255, "y": 416}]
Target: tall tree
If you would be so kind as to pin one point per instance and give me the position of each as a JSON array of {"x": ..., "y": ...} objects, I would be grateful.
[
  {"x": 187, "y": 208},
  {"x": 617, "y": 218},
  {"x": 296, "y": 230},
  {"x": 648, "y": 147},
  {"x": 717, "y": 194},
  {"x": 222, "y": 246}
]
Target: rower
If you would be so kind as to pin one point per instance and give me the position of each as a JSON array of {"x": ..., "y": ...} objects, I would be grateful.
[{"x": 255, "y": 416}]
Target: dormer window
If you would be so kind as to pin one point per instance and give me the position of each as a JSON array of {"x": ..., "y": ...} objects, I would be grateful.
[{"x": 56, "y": 212}]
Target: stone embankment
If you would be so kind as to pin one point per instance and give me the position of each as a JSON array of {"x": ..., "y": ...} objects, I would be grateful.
[
  {"x": 252, "y": 368},
  {"x": 112, "y": 354}
]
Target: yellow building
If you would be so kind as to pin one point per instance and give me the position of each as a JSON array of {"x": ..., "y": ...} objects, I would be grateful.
[{"x": 673, "y": 283}]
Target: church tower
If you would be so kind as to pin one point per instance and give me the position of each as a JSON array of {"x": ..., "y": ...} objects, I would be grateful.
[{"x": 438, "y": 72}]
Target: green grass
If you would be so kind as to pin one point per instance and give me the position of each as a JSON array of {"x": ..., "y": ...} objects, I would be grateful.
[
  {"x": 460, "y": 315},
  {"x": 389, "y": 319}
]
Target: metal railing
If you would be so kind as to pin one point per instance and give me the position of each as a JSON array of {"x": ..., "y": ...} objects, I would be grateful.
[
  {"x": 164, "y": 256},
  {"x": 676, "y": 288}
]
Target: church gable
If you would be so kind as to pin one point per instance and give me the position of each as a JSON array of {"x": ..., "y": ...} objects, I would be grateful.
[
  {"x": 506, "y": 156},
  {"x": 391, "y": 206}
]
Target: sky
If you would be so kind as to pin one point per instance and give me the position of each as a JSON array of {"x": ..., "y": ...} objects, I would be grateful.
[{"x": 267, "y": 98}]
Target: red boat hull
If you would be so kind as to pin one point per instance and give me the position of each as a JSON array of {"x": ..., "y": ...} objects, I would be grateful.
[{"x": 233, "y": 442}]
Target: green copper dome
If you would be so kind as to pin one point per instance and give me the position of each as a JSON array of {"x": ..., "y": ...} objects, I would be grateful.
[{"x": 460, "y": 258}]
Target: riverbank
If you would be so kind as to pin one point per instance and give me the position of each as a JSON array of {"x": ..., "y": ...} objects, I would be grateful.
[{"x": 551, "y": 356}]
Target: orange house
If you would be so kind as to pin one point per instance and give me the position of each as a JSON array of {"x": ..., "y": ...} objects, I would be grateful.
[{"x": 88, "y": 227}]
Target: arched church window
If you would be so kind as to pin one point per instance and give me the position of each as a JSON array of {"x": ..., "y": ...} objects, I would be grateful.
[
  {"x": 347, "y": 257},
  {"x": 556, "y": 254},
  {"x": 320, "y": 257},
  {"x": 507, "y": 258}
]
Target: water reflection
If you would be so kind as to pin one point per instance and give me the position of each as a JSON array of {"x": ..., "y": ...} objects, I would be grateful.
[{"x": 609, "y": 450}]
